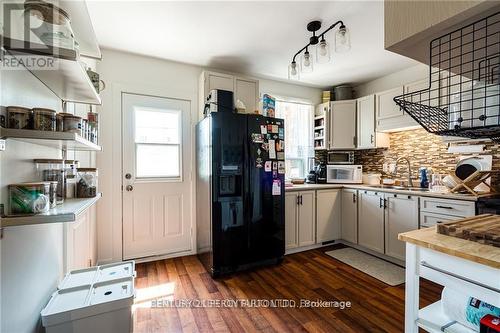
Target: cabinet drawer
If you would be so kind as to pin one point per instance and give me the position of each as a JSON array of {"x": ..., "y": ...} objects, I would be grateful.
[
  {"x": 431, "y": 219},
  {"x": 448, "y": 207}
]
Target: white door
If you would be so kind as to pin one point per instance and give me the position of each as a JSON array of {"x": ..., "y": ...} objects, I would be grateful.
[
  {"x": 156, "y": 176},
  {"x": 291, "y": 220},
  {"x": 350, "y": 215},
  {"x": 307, "y": 218},
  {"x": 371, "y": 220},
  {"x": 328, "y": 212}
]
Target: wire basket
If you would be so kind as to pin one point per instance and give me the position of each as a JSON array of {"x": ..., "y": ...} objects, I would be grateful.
[{"x": 463, "y": 98}]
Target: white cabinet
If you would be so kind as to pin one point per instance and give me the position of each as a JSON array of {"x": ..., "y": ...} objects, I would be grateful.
[
  {"x": 371, "y": 220},
  {"x": 300, "y": 219},
  {"x": 401, "y": 215},
  {"x": 244, "y": 89},
  {"x": 349, "y": 224},
  {"x": 328, "y": 215},
  {"x": 321, "y": 126},
  {"x": 367, "y": 137},
  {"x": 435, "y": 210},
  {"x": 389, "y": 115},
  {"x": 343, "y": 124},
  {"x": 80, "y": 241}
]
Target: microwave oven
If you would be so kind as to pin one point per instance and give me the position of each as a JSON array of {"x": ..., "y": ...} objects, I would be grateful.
[
  {"x": 340, "y": 157},
  {"x": 344, "y": 174}
]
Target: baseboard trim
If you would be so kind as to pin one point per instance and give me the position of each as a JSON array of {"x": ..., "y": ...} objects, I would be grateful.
[{"x": 307, "y": 248}]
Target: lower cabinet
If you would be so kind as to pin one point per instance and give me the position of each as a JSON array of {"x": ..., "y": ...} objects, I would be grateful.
[
  {"x": 371, "y": 220},
  {"x": 300, "y": 219},
  {"x": 401, "y": 215},
  {"x": 328, "y": 215},
  {"x": 349, "y": 215},
  {"x": 80, "y": 241}
]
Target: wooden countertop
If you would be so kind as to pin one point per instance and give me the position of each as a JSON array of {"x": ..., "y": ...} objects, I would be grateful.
[{"x": 429, "y": 238}]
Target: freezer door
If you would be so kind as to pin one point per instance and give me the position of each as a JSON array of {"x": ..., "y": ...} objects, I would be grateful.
[{"x": 266, "y": 188}]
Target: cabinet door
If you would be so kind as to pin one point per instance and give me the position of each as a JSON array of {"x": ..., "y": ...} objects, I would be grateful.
[
  {"x": 307, "y": 218},
  {"x": 349, "y": 225},
  {"x": 343, "y": 124},
  {"x": 77, "y": 245},
  {"x": 93, "y": 235},
  {"x": 366, "y": 122},
  {"x": 385, "y": 105},
  {"x": 401, "y": 215},
  {"x": 218, "y": 81},
  {"x": 371, "y": 220},
  {"x": 328, "y": 215},
  {"x": 291, "y": 220},
  {"x": 247, "y": 91}
]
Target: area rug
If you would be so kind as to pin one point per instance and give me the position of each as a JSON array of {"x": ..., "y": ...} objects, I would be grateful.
[{"x": 380, "y": 269}]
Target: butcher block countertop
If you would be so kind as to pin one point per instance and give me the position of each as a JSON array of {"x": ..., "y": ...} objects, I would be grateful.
[{"x": 429, "y": 238}]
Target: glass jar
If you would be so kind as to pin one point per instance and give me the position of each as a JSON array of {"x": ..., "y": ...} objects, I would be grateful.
[
  {"x": 71, "y": 167},
  {"x": 70, "y": 186},
  {"x": 29, "y": 198},
  {"x": 53, "y": 170},
  {"x": 73, "y": 124},
  {"x": 44, "y": 119},
  {"x": 19, "y": 117},
  {"x": 53, "y": 194},
  {"x": 85, "y": 130},
  {"x": 86, "y": 186}
]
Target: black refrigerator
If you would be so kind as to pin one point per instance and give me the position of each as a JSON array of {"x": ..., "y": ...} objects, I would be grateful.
[{"x": 240, "y": 191}]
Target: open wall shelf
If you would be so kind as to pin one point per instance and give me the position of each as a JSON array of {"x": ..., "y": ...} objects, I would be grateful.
[
  {"x": 59, "y": 140},
  {"x": 66, "y": 212}
]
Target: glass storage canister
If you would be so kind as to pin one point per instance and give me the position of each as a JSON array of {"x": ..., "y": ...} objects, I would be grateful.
[
  {"x": 53, "y": 170},
  {"x": 60, "y": 120},
  {"x": 53, "y": 194},
  {"x": 29, "y": 198},
  {"x": 19, "y": 117},
  {"x": 73, "y": 124},
  {"x": 86, "y": 187},
  {"x": 85, "y": 129},
  {"x": 44, "y": 119},
  {"x": 70, "y": 186}
]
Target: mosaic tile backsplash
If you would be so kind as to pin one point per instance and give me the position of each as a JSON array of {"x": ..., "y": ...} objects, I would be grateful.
[{"x": 423, "y": 150}]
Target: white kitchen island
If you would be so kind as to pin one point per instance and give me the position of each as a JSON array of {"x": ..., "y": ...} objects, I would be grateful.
[{"x": 463, "y": 265}]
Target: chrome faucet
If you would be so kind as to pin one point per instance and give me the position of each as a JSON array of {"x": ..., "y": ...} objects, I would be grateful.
[{"x": 410, "y": 182}]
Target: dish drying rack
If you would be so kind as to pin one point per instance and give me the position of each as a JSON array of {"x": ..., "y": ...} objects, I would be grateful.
[
  {"x": 472, "y": 181},
  {"x": 464, "y": 87}
]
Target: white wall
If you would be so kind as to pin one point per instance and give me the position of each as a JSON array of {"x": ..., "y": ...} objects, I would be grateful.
[
  {"x": 408, "y": 75},
  {"x": 133, "y": 73}
]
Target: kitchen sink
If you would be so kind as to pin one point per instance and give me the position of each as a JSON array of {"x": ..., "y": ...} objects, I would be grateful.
[{"x": 405, "y": 188}]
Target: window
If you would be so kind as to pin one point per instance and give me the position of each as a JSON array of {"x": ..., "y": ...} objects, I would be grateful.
[
  {"x": 298, "y": 136},
  {"x": 157, "y": 143}
]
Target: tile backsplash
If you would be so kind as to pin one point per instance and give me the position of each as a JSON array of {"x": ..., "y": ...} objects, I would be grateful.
[{"x": 423, "y": 149}]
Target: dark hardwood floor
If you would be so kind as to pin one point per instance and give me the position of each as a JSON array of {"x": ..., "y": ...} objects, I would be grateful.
[{"x": 312, "y": 275}]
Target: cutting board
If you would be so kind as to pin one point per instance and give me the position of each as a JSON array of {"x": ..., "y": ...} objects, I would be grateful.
[{"x": 484, "y": 229}]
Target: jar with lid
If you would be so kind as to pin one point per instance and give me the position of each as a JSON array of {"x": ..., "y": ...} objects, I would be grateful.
[
  {"x": 29, "y": 198},
  {"x": 73, "y": 124},
  {"x": 86, "y": 186},
  {"x": 71, "y": 167},
  {"x": 19, "y": 117},
  {"x": 44, "y": 119},
  {"x": 53, "y": 170}
]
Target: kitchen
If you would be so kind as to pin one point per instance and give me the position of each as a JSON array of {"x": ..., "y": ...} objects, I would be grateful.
[{"x": 134, "y": 194}]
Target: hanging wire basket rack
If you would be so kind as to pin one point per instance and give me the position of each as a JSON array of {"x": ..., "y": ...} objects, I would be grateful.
[{"x": 463, "y": 97}]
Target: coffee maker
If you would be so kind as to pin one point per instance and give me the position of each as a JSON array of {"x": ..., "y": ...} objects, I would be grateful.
[{"x": 321, "y": 173}]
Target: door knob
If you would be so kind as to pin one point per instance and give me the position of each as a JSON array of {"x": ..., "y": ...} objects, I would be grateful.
[
  {"x": 128, "y": 176},
  {"x": 129, "y": 188}
]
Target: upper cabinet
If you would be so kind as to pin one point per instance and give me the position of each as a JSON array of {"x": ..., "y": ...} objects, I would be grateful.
[
  {"x": 367, "y": 137},
  {"x": 343, "y": 124},
  {"x": 411, "y": 25},
  {"x": 389, "y": 115},
  {"x": 244, "y": 89}
]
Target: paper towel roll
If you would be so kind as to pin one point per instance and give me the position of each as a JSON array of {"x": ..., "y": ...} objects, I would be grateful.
[{"x": 466, "y": 310}]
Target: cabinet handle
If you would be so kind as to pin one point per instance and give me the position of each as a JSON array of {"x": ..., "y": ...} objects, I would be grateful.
[
  {"x": 354, "y": 197},
  {"x": 301, "y": 199},
  {"x": 385, "y": 203},
  {"x": 298, "y": 200},
  {"x": 371, "y": 138},
  {"x": 444, "y": 207},
  {"x": 380, "y": 203}
]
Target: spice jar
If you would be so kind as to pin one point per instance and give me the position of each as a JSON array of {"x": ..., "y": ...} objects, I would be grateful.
[
  {"x": 85, "y": 130},
  {"x": 73, "y": 124},
  {"x": 19, "y": 117},
  {"x": 53, "y": 170},
  {"x": 86, "y": 186},
  {"x": 29, "y": 198},
  {"x": 44, "y": 119}
]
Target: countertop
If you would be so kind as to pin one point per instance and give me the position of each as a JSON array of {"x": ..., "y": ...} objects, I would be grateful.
[
  {"x": 429, "y": 238},
  {"x": 455, "y": 196}
]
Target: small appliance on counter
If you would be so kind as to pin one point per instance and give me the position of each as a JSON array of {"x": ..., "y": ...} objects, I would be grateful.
[
  {"x": 321, "y": 173},
  {"x": 311, "y": 177},
  {"x": 219, "y": 101},
  {"x": 340, "y": 157},
  {"x": 344, "y": 174}
]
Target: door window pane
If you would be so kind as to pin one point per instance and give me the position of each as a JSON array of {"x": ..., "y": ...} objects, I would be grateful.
[
  {"x": 157, "y": 160},
  {"x": 157, "y": 126}
]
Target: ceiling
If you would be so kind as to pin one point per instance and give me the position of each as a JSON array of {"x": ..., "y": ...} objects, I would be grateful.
[{"x": 257, "y": 38}]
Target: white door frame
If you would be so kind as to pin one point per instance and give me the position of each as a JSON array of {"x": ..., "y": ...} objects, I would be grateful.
[{"x": 117, "y": 162}]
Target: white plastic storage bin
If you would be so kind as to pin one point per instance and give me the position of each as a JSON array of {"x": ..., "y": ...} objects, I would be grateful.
[
  {"x": 96, "y": 274},
  {"x": 100, "y": 307}
]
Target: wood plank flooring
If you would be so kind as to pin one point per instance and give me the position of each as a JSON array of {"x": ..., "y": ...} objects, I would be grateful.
[{"x": 312, "y": 275}]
